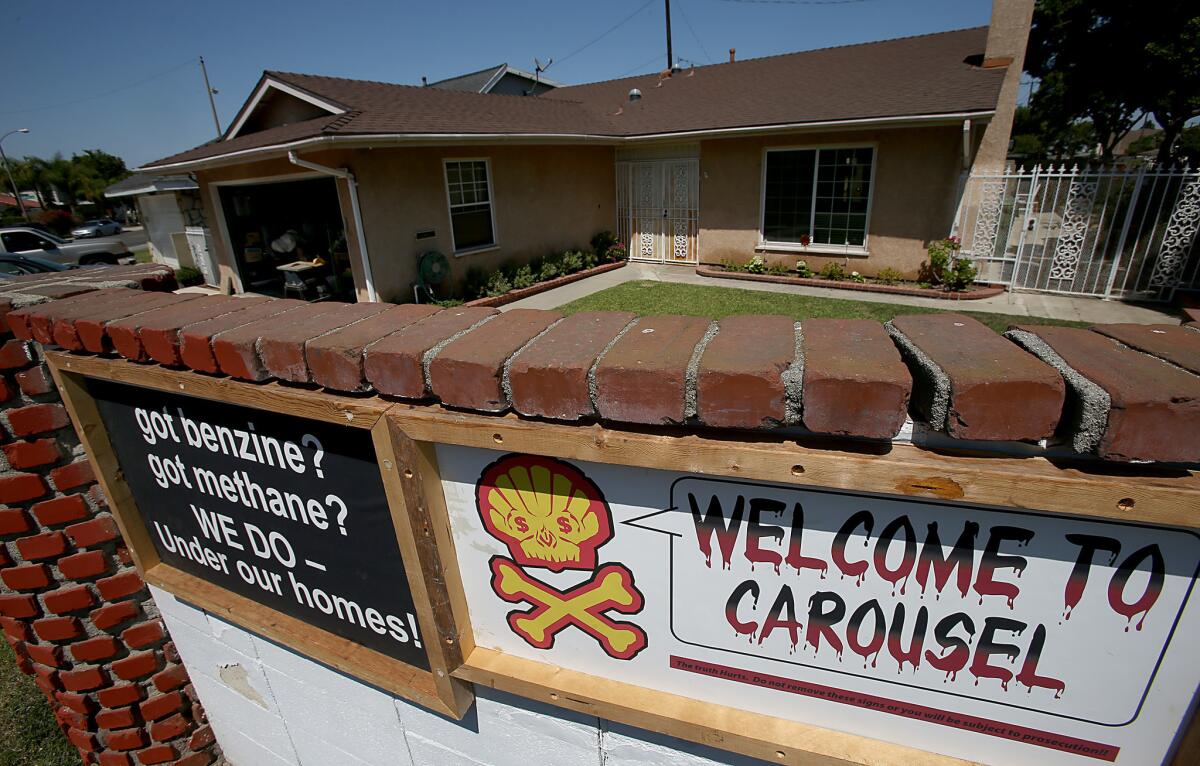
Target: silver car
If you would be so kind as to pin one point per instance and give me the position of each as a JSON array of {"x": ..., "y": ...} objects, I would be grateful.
[
  {"x": 25, "y": 240},
  {"x": 97, "y": 227}
]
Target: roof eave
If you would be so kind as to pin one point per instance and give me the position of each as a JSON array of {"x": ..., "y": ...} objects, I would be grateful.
[{"x": 417, "y": 139}]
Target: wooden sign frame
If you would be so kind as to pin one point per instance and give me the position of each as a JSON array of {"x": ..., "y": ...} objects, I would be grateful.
[
  {"x": 1141, "y": 493},
  {"x": 436, "y": 689}
]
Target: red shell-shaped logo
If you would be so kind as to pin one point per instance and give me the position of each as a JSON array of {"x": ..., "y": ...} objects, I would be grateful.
[{"x": 546, "y": 511}]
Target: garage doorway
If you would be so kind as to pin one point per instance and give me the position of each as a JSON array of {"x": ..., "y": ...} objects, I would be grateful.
[{"x": 288, "y": 239}]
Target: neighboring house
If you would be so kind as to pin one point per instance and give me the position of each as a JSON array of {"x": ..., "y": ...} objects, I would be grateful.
[
  {"x": 168, "y": 206},
  {"x": 503, "y": 80},
  {"x": 860, "y": 150},
  {"x": 32, "y": 206}
]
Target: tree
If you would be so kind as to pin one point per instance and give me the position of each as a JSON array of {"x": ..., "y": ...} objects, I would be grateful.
[
  {"x": 82, "y": 177},
  {"x": 1110, "y": 62}
]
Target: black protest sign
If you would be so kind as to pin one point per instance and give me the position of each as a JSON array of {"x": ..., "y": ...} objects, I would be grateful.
[{"x": 286, "y": 511}]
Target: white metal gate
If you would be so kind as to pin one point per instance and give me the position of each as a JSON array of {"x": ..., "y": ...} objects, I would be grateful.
[
  {"x": 658, "y": 209},
  {"x": 1104, "y": 232}
]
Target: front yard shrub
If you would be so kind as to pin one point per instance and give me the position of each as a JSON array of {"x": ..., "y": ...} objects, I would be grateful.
[
  {"x": 58, "y": 221},
  {"x": 833, "y": 271},
  {"x": 858, "y": 278},
  {"x": 475, "y": 283},
  {"x": 618, "y": 252},
  {"x": 551, "y": 268},
  {"x": 888, "y": 276},
  {"x": 497, "y": 285},
  {"x": 522, "y": 277},
  {"x": 603, "y": 241},
  {"x": 188, "y": 276},
  {"x": 757, "y": 265},
  {"x": 729, "y": 265},
  {"x": 803, "y": 269},
  {"x": 571, "y": 261},
  {"x": 777, "y": 269},
  {"x": 962, "y": 275}
]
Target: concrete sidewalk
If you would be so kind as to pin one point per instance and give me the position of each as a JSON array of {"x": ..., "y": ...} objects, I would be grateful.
[{"x": 1016, "y": 303}]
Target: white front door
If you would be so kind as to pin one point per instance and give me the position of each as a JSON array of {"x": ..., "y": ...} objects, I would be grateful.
[{"x": 659, "y": 209}]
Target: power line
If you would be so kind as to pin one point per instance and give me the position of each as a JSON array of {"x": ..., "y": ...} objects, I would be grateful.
[
  {"x": 607, "y": 32},
  {"x": 642, "y": 65},
  {"x": 105, "y": 94},
  {"x": 695, "y": 37},
  {"x": 798, "y": 2}
]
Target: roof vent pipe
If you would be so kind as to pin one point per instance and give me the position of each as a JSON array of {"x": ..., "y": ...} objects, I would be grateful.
[
  {"x": 732, "y": 55},
  {"x": 634, "y": 95}
]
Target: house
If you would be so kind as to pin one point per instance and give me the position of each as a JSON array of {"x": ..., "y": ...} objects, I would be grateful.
[
  {"x": 855, "y": 154},
  {"x": 503, "y": 80}
]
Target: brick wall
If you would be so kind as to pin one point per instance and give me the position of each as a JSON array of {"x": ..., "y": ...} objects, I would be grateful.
[
  {"x": 1114, "y": 392},
  {"x": 73, "y": 608}
]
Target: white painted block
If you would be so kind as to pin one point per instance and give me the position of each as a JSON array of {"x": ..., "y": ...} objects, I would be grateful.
[
  {"x": 231, "y": 711},
  {"x": 504, "y": 730},
  {"x": 429, "y": 753},
  {"x": 203, "y": 654},
  {"x": 629, "y": 746},
  {"x": 314, "y": 751},
  {"x": 171, "y": 607},
  {"x": 232, "y": 636},
  {"x": 241, "y": 750}
]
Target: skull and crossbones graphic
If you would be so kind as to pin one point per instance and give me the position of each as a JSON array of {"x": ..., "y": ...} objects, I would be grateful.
[{"x": 551, "y": 516}]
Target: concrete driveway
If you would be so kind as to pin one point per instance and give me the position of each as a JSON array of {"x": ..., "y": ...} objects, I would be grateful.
[{"x": 1020, "y": 304}]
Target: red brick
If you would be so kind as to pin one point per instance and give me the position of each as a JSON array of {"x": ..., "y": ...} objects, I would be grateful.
[
  {"x": 1174, "y": 343},
  {"x": 32, "y": 454},
  {"x": 83, "y": 740},
  {"x": 549, "y": 378},
  {"x": 13, "y": 521},
  {"x": 195, "y": 340},
  {"x": 110, "y": 616},
  {"x": 35, "y": 381},
  {"x": 89, "y": 330},
  {"x": 855, "y": 383},
  {"x": 120, "y": 695},
  {"x": 47, "y": 680},
  {"x": 82, "y": 566},
  {"x": 136, "y": 666},
  {"x": 394, "y": 365},
  {"x": 335, "y": 360},
  {"x": 37, "y": 419},
  {"x": 68, "y": 717},
  {"x": 1154, "y": 407},
  {"x": 46, "y": 654},
  {"x": 67, "y": 600},
  {"x": 6, "y": 390},
  {"x": 236, "y": 350},
  {"x": 61, "y": 510},
  {"x": 170, "y": 728},
  {"x": 467, "y": 372},
  {"x": 27, "y": 577},
  {"x": 160, "y": 336},
  {"x": 121, "y": 718},
  {"x": 72, "y": 475},
  {"x": 95, "y": 649},
  {"x": 16, "y": 629},
  {"x": 157, "y": 754},
  {"x": 80, "y": 703},
  {"x": 42, "y": 546},
  {"x": 170, "y": 652},
  {"x": 18, "y": 606},
  {"x": 20, "y": 487},
  {"x": 120, "y": 585},
  {"x": 202, "y": 738},
  {"x": 58, "y": 629},
  {"x": 170, "y": 679},
  {"x": 14, "y": 354},
  {"x": 642, "y": 377},
  {"x": 37, "y": 322},
  {"x": 83, "y": 680},
  {"x": 196, "y": 759},
  {"x": 997, "y": 391},
  {"x": 739, "y": 382},
  {"x": 128, "y": 739},
  {"x": 113, "y": 758},
  {"x": 129, "y": 334},
  {"x": 6, "y": 559},
  {"x": 146, "y": 634},
  {"x": 282, "y": 348},
  {"x": 93, "y": 532},
  {"x": 161, "y": 706}
]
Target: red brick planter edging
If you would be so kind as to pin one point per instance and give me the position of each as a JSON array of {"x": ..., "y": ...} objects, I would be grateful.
[
  {"x": 846, "y": 284},
  {"x": 541, "y": 287}
]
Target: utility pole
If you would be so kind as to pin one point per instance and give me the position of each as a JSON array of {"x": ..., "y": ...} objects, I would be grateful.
[
  {"x": 8, "y": 172},
  {"x": 670, "y": 56},
  {"x": 211, "y": 102}
]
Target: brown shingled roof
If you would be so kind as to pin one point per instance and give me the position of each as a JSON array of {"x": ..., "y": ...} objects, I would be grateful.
[{"x": 923, "y": 75}]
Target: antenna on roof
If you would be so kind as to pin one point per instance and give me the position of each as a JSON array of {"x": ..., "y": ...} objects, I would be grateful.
[{"x": 538, "y": 68}]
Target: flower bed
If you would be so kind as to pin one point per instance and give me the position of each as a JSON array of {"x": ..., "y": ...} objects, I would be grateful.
[
  {"x": 541, "y": 287},
  {"x": 975, "y": 292}
]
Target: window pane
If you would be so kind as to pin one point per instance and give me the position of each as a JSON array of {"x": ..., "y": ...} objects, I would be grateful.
[
  {"x": 472, "y": 226},
  {"x": 787, "y": 203},
  {"x": 843, "y": 194}
]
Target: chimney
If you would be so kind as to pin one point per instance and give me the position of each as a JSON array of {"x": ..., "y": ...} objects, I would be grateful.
[
  {"x": 1008, "y": 33},
  {"x": 732, "y": 55}
]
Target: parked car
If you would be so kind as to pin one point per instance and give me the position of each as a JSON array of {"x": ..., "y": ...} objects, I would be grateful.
[
  {"x": 97, "y": 227},
  {"x": 19, "y": 265},
  {"x": 24, "y": 240}
]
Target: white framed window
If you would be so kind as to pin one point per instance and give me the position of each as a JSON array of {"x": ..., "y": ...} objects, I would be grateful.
[
  {"x": 469, "y": 195},
  {"x": 817, "y": 195}
]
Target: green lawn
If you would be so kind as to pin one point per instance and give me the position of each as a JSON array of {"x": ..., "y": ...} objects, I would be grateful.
[
  {"x": 28, "y": 734},
  {"x": 647, "y": 297}
]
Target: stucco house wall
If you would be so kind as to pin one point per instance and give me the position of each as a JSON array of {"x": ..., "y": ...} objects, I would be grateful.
[
  {"x": 545, "y": 198},
  {"x": 913, "y": 200}
]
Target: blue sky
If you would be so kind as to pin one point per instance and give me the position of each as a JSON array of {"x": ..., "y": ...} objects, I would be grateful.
[{"x": 64, "y": 60}]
